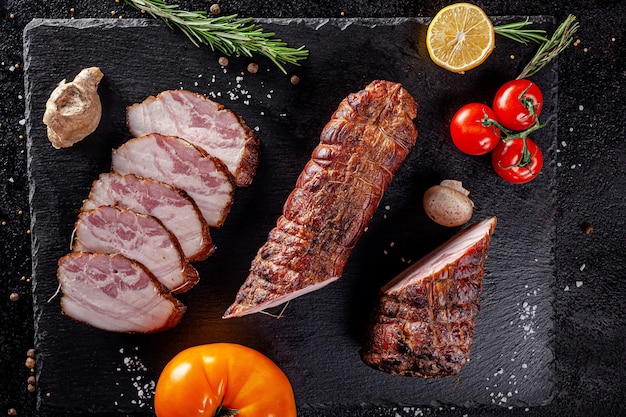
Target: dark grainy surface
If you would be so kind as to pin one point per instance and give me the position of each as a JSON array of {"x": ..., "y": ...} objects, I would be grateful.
[{"x": 590, "y": 303}]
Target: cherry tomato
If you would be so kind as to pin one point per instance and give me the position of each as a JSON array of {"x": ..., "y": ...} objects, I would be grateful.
[
  {"x": 511, "y": 101},
  {"x": 222, "y": 379},
  {"x": 468, "y": 132},
  {"x": 514, "y": 163}
]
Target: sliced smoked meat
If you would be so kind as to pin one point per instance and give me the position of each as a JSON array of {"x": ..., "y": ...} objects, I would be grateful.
[
  {"x": 360, "y": 150},
  {"x": 177, "y": 211},
  {"x": 114, "y": 293},
  {"x": 177, "y": 162},
  {"x": 423, "y": 323},
  {"x": 139, "y": 237},
  {"x": 203, "y": 122}
]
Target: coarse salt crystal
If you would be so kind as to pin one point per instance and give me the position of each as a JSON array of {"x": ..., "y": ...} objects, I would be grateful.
[
  {"x": 581, "y": 107},
  {"x": 22, "y": 122},
  {"x": 579, "y": 284},
  {"x": 582, "y": 267}
]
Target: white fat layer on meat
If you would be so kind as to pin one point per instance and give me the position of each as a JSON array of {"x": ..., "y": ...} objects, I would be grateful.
[
  {"x": 177, "y": 213},
  {"x": 138, "y": 237},
  {"x": 166, "y": 159},
  {"x": 194, "y": 118},
  {"x": 444, "y": 255},
  {"x": 112, "y": 293},
  {"x": 283, "y": 299}
]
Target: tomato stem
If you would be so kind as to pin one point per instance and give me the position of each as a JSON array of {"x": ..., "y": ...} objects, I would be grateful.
[
  {"x": 507, "y": 135},
  {"x": 525, "y": 160},
  {"x": 225, "y": 412}
]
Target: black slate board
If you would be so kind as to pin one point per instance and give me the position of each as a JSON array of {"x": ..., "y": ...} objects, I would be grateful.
[{"x": 316, "y": 343}]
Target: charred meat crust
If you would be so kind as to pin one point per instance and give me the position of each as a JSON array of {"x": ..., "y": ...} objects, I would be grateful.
[
  {"x": 426, "y": 327},
  {"x": 361, "y": 148}
]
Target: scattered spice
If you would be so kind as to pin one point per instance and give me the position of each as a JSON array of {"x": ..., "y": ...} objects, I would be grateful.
[
  {"x": 587, "y": 228},
  {"x": 294, "y": 79},
  {"x": 215, "y": 9},
  {"x": 30, "y": 363},
  {"x": 253, "y": 68},
  {"x": 31, "y": 380},
  {"x": 31, "y": 388},
  {"x": 14, "y": 296},
  {"x": 12, "y": 16},
  {"x": 30, "y": 353},
  {"x": 576, "y": 42},
  {"x": 72, "y": 10},
  {"x": 223, "y": 61},
  {"x": 12, "y": 412}
]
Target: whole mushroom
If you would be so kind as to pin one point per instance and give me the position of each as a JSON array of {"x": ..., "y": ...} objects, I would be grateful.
[
  {"x": 448, "y": 203},
  {"x": 73, "y": 110}
]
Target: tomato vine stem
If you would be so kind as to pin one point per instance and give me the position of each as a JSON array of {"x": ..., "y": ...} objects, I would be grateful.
[{"x": 506, "y": 134}]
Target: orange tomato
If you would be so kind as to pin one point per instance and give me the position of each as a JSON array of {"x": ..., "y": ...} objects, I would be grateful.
[{"x": 223, "y": 379}]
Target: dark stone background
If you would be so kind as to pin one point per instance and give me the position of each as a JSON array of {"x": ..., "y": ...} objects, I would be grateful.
[{"x": 590, "y": 320}]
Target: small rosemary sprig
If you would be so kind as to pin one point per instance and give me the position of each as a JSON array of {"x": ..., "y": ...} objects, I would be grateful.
[
  {"x": 561, "y": 39},
  {"x": 227, "y": 34},
  {"x": 517, "y": 32}
]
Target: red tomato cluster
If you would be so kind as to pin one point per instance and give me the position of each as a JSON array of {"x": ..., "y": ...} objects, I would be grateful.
[{"x": 503, "y": 130}]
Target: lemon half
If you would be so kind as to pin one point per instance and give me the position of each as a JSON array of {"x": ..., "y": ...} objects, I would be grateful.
[{"x": 460, "y": 37}]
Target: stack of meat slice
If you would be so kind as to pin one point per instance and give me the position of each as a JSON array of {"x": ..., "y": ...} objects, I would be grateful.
[{"x": 147, "y": 220}]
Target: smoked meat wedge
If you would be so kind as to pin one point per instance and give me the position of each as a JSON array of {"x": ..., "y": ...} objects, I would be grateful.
[
  {"x": 139, "y": 237},
  {"x": 114, "y": 293},
  {"x": 203, "y": 122},
  {"x": 423, "y": 323},
  {"x": 177, "y": 211},
  {"x": 336, "y": 195},
  {"x": 177, "y": 162}
]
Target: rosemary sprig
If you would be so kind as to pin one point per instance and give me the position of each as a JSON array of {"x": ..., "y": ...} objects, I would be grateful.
[
  {"x": 517, "y": 32},
  {"x": 561, "y": 39},
  {"x": 227, "y": 34}
]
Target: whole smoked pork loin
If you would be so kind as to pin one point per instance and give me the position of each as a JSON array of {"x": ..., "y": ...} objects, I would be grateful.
[
  {"x": 139, "y": 237},
  {"x": 360, "y": 150},
  {"x": 114, "y": 293},
  {"x": 203, "y": 122},
  {"x": 423, "y": 323},
  {"x": 177, "y": 162},
  {"x": 178, "y": 213}
]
